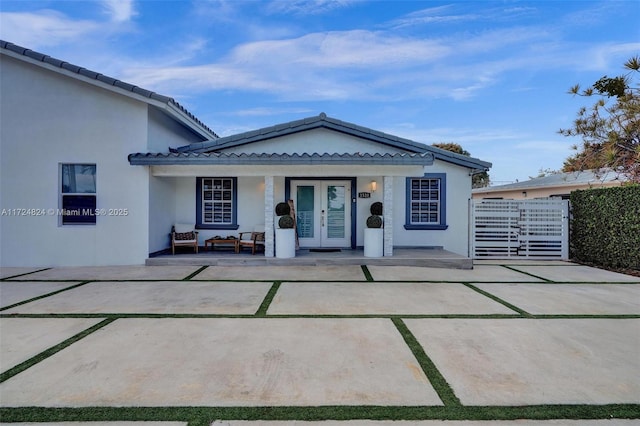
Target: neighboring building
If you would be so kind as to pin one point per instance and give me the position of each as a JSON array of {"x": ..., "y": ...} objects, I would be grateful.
[
  {"x": 558, "y": 185},
  {"x": 75, "y": 140}
]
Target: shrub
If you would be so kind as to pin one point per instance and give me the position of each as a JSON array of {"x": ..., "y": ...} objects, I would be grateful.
[
  {"x": 376, "y": 208},
  {"x": 374, "y": 222},
  {"x": 605, "y": 229},
  {"x": 285, "y": 222},
  {"x": 283, "y": 209}
]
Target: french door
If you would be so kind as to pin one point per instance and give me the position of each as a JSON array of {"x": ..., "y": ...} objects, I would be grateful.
[{"x": 323, "y": 212}]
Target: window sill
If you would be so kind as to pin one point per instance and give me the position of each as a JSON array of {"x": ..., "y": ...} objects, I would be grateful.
[
  {"x": 425, "y": 227},
  {"x": 229, "y": 227}
]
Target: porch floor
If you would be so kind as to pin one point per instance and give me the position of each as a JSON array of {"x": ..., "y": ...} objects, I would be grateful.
[{"x": 426, "y": 257}]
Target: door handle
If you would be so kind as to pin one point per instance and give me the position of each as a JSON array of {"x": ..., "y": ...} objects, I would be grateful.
[{"x": 322, "y": 218}]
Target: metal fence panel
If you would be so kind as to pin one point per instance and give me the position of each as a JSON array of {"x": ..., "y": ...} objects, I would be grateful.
[{"x": 508, "y": 229}]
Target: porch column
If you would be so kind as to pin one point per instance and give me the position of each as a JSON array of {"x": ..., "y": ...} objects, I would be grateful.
[
  {"x": 387, "y": 214},
  {"x": 268, "y": 217}
]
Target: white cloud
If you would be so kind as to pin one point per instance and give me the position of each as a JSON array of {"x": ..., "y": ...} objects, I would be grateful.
[
  {"x": 314, "y": 66},
  {"x": 119, "y": 10},
  {"x": 432, "y": 15},
  {"x": 265, "y": 112},
  {"x": 306, "y": 7},
  {"x": 43, "y": 28},
  {"x": 340, "y": 49},
  {"x": 452, "y": 14},
  {"x": 366, "y": 65},
  {"x": 606, "y": 56}
]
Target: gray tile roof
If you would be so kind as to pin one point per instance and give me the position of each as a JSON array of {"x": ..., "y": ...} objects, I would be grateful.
[
  {"x": 585, "y": 177},
  {"x": 219, "y": 158},
  {"x": 75, "y": 69},
  {"x": 322, "y": 121}
]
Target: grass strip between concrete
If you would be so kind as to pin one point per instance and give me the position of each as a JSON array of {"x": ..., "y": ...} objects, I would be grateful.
[
  {"x": 497, "y": 299},
  {"x": 26, "y": 273},
  {"x": 367, "y": 273},
  {"x": 44, "y": 295},
  {"x": 527, "y": 273},
  {"x": 262, "y": 310},
  {"x": 437, "y": 380},
  {"x": 188, "y": 277},
  {"x": 6, "y": 375},
  {"x": 204, "y": 416}
]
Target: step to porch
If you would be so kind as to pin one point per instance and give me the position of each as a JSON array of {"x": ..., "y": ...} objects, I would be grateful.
[{"x": 434, "y": 258}]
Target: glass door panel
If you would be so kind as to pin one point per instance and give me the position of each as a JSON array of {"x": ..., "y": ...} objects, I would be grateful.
[
  {"x": 335, "y": 211},
  {"x": 305, "y": 208},
  {"x": 336, "y": 208}
]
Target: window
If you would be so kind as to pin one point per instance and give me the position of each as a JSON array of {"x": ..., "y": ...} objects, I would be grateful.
[
  {"x": 78, "y": 194},
  {"x": 216, "y": 203},
  {"x": 426, "y": 202}
]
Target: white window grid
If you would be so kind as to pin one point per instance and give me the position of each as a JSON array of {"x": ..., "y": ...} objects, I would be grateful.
[
  {"x": 425, "y": 201},
  {"x": 217, "y": 201}
]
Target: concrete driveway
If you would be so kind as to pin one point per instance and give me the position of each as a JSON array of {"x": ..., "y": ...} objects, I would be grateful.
[{"x": 548, "y": 343}]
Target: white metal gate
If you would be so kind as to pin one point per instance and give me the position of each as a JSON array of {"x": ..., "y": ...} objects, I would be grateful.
[{"x": 507, "y": 229}]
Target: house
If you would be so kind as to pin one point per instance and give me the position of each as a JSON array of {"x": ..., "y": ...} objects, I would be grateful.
[
  {"x": 557, "y": 185},
  {"x": 76, "y": 141}
]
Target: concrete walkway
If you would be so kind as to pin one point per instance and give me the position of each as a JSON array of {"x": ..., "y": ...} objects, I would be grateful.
[{"x": 188, "y": 345}]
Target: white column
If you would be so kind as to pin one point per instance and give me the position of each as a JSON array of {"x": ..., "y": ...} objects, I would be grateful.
[
  {"x": 387, "y": 214},
  {"x": 268, "y": 217}
]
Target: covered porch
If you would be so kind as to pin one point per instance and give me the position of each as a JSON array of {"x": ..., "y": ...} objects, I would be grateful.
[
  {"x": 425, "y": 257},
  {"x": 259, "y": 182}
]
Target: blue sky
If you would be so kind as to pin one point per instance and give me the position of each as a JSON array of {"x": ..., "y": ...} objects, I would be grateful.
[{"x": 490, "y": 75}]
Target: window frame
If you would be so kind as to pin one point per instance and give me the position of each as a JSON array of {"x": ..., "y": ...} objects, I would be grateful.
[
  {"x": 79, "y": 219},
  {"x": 442, "y": 223},
  {"x": 200, "y": 224}
]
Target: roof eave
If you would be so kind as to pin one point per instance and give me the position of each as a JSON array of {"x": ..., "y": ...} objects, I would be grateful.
[
  {"x": 180, "y": 113},
  {"x": 141, "y": 159},
  {"x": 474, "y": 164}
]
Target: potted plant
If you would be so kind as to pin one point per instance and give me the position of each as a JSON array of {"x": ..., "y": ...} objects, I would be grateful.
[
  {"x": 285, "y": 232},
  {"x": 374, "y": 234}
]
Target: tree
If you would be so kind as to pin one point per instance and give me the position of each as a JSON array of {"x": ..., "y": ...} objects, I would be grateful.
[
  {"x": 479, "y": 180},
  {"x": 544, "y": 173},
  {"x": 610, "y": 129}
]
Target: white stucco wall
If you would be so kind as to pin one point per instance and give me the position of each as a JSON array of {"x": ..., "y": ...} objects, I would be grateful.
[
  {"x": 250, "y": 205},
  {"x": 455, "y": 237},
  {"x": 165, "y": 132},
  {"x": 162, "y": 211},
  {"x": 48, "y": 119},
  {"x": 314, "y": 141},
  {"x": 363, "y": 205}
]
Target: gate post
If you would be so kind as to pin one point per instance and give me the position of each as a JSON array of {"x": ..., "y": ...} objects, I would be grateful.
[{"x": 565, "y": 230}]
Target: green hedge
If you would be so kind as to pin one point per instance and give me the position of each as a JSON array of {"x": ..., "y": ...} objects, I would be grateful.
[{"x": 605, "y": 229}]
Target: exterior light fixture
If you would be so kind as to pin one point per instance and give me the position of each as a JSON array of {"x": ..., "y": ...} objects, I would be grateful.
[{"x": 374, "y": 186}]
